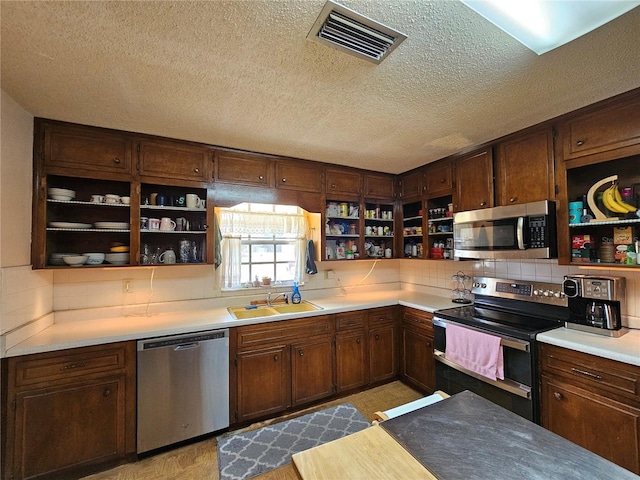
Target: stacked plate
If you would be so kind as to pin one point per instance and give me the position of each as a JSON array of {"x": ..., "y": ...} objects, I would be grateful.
[
  {"x": 61, "y": 193},
  {"x": 112, "y": 225},
  {"x": 117, "y": 258},
  {"x": 69, "y": 225}
]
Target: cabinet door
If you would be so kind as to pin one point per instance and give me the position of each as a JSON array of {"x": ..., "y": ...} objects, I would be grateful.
[
  {"x": 243, "y": 169},
  {"x": 83, "y": 148},
  {"x": 474, "y": 182},
  {"x": 382, "y": 353},
  {"x": 351, "y": 360},
  {"x": 378, "y": 186},
  {"x": 411, "y": 184},
  {"x": 524, "y": 169},
  {"x": 418, "y": 365},
  {"x": 608, "y": 428},
  {"x": 174, "y": 160},
  {"x": 603, "y": 132},
  {"x": 264, "y": 382},
  {"x": 299, "y": 175},
  {"x": 311, "y": 370},
  {"x": 438, "y": 179},
  {"x": 74, "y": 425},
  {"x": 343, "y": 181}
]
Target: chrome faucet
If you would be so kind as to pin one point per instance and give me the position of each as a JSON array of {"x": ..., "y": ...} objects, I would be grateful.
[{"x": 271, "y": 300}]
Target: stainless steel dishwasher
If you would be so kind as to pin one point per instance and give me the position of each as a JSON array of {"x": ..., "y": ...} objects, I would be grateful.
[{"x": 183, "y": 387}]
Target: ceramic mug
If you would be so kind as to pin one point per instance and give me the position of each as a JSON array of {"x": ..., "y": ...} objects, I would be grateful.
[
  {"x": 152, "y": 198},
  {"x": 97, "y": 198},
  {"x": 180, "y": 201},
  {"x": 168, "y": 256},
  {"x": 182, "y": 224},
  {"x": 111, "y": 198},
  {"x": 162, "y": 200},
  {"x": 154, "y": 224},
  {"x": 144, "y": 223},
  {"x": 166, "y": 224},
  {"x": 193, "y": 201}
]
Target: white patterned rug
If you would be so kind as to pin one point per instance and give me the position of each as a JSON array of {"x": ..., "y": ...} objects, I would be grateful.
[{"x": 248, "y": 454}]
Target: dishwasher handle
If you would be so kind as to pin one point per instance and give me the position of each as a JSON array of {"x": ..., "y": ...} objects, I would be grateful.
[{"x": 183, "y": 342}]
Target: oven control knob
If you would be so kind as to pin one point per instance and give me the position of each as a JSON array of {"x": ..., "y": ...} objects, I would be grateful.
[
  {"x": 547, "y": 293},
  {"x": 559, "y": 294},
  {"x": 537, "y": 292}
]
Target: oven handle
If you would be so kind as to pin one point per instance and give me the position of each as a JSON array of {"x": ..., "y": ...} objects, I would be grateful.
[
  {"x": 510, "y": 386},
  {"x": 514, "y": 343}
]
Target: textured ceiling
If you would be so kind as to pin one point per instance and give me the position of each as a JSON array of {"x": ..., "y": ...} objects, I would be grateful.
[{"x": 242, "y": 74}]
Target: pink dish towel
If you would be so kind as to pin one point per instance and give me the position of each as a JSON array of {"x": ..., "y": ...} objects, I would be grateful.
[{"x": 476, "y": 351}]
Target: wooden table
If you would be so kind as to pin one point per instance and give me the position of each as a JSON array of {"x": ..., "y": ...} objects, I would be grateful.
[{"x": 369, "y": 454}]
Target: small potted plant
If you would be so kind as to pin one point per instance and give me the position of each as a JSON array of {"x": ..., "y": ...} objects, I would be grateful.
[{"x": 266, "y": 281}]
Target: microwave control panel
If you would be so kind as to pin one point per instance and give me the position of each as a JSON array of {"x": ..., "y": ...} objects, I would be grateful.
[{"x": 537, "y": 231}]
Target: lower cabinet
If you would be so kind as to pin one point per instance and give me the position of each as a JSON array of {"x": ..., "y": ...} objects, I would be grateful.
[
  {"x": 383, "y": 344},
  {"x": 283, "y": 364},
  {"x": 352, "y": 370},
  {"x": 418, "y": 365},
  {"x": 70, "y": 413},
  {"x": 593, "y": 402}
]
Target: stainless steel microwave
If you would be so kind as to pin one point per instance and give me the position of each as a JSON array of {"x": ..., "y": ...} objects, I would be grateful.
[{"x": 510, "y": 232}]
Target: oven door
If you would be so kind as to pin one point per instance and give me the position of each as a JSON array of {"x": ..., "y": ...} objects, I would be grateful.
[{"x": 515, "y": 392}]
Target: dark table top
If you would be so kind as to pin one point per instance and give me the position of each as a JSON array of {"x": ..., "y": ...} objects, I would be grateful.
[{"x": 467, "y": 437}]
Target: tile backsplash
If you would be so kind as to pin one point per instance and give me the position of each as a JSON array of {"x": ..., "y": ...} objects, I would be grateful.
[{"x": 27, "y": 295}]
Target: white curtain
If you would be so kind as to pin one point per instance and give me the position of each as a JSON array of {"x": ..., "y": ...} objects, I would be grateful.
[{"x": 235, "y": 223}]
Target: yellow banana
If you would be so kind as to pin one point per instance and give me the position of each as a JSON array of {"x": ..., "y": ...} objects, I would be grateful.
[
  {"x": 608, "y": 198},
  {"x": 618, "y": 199}
]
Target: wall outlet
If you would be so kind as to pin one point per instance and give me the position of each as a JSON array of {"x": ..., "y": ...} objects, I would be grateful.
[
  {"x": 330, "y": 274},
  {"x": 127, "y": 285}
]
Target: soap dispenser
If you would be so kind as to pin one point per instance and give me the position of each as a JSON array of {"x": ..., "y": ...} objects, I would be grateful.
[{"x": 295, "y": 297}]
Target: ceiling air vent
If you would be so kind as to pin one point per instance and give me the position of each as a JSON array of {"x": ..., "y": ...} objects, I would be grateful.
[{"x": 346, "y": 30}]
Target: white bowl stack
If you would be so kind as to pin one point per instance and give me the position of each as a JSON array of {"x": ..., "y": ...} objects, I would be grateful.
[
  {"x": 117, "y": 258},
  {"x": 94, "y": 258},
  {"x": 75, "y": 260},
  {"x": 61, "y": 194},
  {"x": 56, "y": 258}
]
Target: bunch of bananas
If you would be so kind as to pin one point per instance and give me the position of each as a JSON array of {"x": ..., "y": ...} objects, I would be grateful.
[{"x": 613, "y": 201}]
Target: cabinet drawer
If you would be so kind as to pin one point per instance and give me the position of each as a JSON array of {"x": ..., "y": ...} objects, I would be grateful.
[
  {"x": 595, "y": 373},
  {"x": 381, "y": 316},
  {"x": 54, "y": 367},
  {"x": 283, "y": 331},
  {"x": 413, "y": 318},
  {"x": 351, "y": 320}
]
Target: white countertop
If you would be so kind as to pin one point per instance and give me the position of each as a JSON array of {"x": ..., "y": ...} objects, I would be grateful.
[
  {"x": 624, "y": 349},
  {"x": 72, "y": 334},
  {"x": 80, "y": 333}
]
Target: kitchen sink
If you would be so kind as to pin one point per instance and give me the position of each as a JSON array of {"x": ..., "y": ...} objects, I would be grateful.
[{"x": 241, "y": 313}]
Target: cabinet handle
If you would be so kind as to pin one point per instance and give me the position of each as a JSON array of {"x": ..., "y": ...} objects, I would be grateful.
[
  {"x": 301, "y": 353},
  {"x": 443, "y": 180},
  {"x": 358, "y": 341},
  {"x": 377, "y": 337},
  {"x": 261, "y": 177},
  {"x": 333, "y": 186},
  {"x": 196, "y": 170},
  {"x": 557, "y": 395},
  {"x": 428, "y": 343},
  {"x": 579, "y": 143},
  {"x": 513, "y": 199},
  {"x": 586, "y": 374},
  {"x": 107, "y": 392},
  {"x": 71, "y": 366},
  {"x": 116, "y": 160},
  {"x": 276, "y": 358},
  {"x": 284, "y": 180},
  {"x": 483, "y": 204}
]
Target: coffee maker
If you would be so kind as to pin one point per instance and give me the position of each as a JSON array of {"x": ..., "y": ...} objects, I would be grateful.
[{"x": 594, "y": 303}]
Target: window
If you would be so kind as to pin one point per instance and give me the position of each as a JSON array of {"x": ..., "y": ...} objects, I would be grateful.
[{"x": 260, "y": 240}]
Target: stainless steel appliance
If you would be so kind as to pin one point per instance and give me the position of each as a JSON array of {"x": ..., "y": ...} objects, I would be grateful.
[
  {"x": 514, "y": 231},
  {"x": 183, "y": 387},
  {"x": 594, "y": 303},
  {"x": 516, "y": 311}
]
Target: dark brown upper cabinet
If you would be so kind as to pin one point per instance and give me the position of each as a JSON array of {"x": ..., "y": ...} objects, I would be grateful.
[
  {"x": 379, "y": 186},
  {"x": 299, "y": 175},
  {"x": 525, "y": 169},
  {"x": 174, "y": 160},
  {"x": 343, "y": 181},
  {"x": 474, "y": 181},
  {"x": 243, "y": 169}
]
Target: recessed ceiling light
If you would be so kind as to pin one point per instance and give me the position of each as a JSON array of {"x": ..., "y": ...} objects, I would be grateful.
[{"x": 542, "y": 25}]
